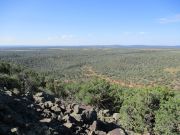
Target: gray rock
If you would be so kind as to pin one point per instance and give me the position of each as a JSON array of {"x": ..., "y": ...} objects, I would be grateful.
[
  {"x": 56, "y": 108},
  {"x": 91, "y": 133},
  {"x": 45, "y": 120},
  {"x": 39, "y": 110},
  {"x": 14, "y": 130},
  {"x": 39, "y": 94},
  {"x": 94, "y": 127},
  {"x": 100, "y": 133},
  {"x": 46, "y": 113},
  {"x": 78, "y": 117},
  {"x": 69, "y": 106},
  {"x": 116, "y": 116},
  {"x": 106, "y": 113},
  {"x": 48, "y": 104},
  {"x": 68, "y": 125},
  {"x": 16, "y": 91},
  {"x": 59, "y": 117},
  {"x": 57, "y": 101},
  {"x": 76, "y": 109},
  {"x": 38, "y": 99},
  {"x": 69, "y": 119},
  {"x": 9, "y": 93},
  {"x": 117, "y": 131},
  {"x": 63, "y": 107},
  {"x": 53, "y": 116}
]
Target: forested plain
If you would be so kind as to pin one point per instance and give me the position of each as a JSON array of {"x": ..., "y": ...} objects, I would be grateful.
[
  {"x": 127, "y": 66},
  {"x": 141, "y": 84}
]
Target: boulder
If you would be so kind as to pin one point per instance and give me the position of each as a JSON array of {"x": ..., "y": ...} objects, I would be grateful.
[
  {"x": 116, "y": 116},
  {"x": 46, "y": 113},
  {"x": 76, "y": 109},
  {"x": 48, "y": 104},
  {"x": 68, "y": 125},
  {"x": 16, "y": 91},
  {"x": 45, "y": 120},
  {"x": 69, "y": 119},
  {"x": 9, "y": 93},
  {"x": 38, "y": 99},
  {"x": 39, "y": 94},
  {"x": 14, "y": 130},
  {"x": 117, "y": 131},
  {"x": 94, "y": 126},
  {"x": 54, "y": 116},
  {"x": 56, "y": 108},
  {"x": 78, "y": 117},
  {"x": 100, "y": 133},
  {"x": 106, "y": 113},
  {"x": 57, "y": 101}
]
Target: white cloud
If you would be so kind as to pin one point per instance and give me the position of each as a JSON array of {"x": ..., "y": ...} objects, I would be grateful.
[{"x": 171, "y": 19}]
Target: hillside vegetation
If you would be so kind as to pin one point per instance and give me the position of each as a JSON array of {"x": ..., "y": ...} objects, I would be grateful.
[{"x": 153, "y": 110}]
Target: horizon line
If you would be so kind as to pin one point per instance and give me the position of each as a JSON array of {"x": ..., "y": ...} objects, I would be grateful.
[{"x": 41, "y": 45}]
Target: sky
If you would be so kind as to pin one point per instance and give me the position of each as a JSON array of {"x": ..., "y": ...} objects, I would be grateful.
[{"x": 89, "y": 22}]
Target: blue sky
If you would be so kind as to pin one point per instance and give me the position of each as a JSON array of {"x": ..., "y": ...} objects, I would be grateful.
[{"x": 89, "y": 22}]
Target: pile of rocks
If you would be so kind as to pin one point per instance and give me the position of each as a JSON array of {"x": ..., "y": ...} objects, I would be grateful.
[{"x": 44, "y": 114}]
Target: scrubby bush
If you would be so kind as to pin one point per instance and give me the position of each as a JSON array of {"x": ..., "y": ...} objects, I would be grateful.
[
  {"x": 5, "y": 68},
  {"x": 9, "y": 69},
  {"x": 57, "y": 87},
  {"x": 13, "y": 76},
  {"x": 168, "y": 117},
  {"x": 9, "y": 82},
  {"x": 139, "y": 106},
  {"x": 95, "y": 92},
  {"x": 117, "y": 97}
]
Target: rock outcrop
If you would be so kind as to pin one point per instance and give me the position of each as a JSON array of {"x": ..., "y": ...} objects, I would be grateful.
[{"x": 43, "y": 114}]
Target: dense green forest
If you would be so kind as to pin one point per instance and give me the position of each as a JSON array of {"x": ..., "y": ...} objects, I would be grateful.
[
  {"x": 127, "y": 66},
  {"x": 154, "y": 110}
]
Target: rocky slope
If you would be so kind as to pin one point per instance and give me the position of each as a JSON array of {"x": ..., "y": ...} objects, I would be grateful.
[{"x": 43, "y": 114}]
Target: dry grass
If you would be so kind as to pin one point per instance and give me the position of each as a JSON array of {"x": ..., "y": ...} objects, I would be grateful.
[{"x": 172, "y": 70}]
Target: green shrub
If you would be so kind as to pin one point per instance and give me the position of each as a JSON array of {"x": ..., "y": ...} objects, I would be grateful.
[
  {"x": 56, "y": 87},
  {"x": 95, "y": 92},
  {"x": 139, "y": 106},
  {"x": 168, "y": 117},
  {"x": 5, "y": 68},
  {"x": 117, "y": 98},
  {"x": 9, "y": 69},
  {"x": 9, "y": 82}
]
